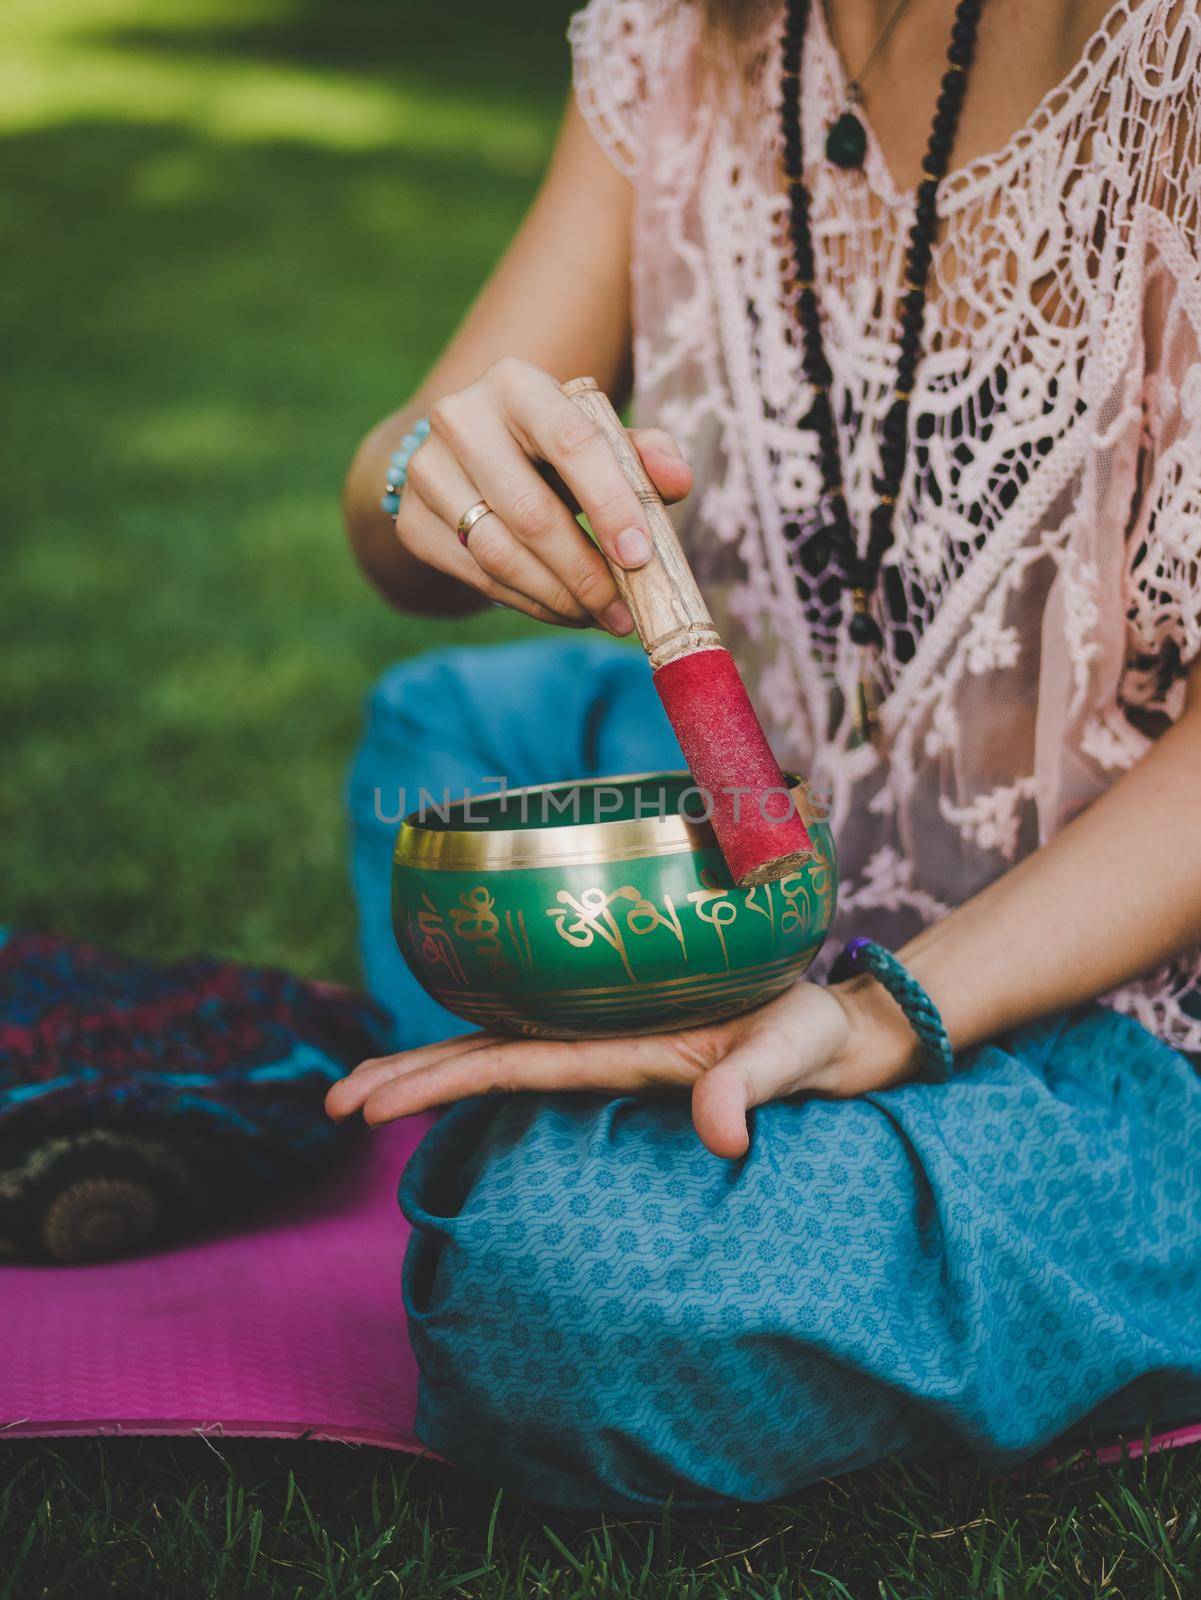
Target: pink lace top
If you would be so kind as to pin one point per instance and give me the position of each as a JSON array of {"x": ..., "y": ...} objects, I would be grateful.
[{"x": 1045, "y": 583}]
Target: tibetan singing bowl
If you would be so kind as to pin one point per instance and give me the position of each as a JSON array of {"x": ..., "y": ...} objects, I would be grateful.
[{"x": 577, "y": 910}]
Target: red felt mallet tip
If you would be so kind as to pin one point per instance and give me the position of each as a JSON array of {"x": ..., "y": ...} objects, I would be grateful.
[{"x": 751, "y": 809}]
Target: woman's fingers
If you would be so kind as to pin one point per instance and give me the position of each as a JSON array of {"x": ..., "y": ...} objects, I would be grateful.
[
  {"x": 557, "y": 431},
  {"x": 780, "y": 1050},
  {"x": 783, "y": 1048},
  {"x": 441, "y": 483},
  {"x": 491, "y": 1066},
  {"x": 482, "y": 437},
  {"x": 755, "y": 1070},
  {"x": 424, "y": 533},
  {"x": 348, "y": 1094},
  {"x": 661, "y": 456},
  {"x": 513, "y": 440},
  {"x": 665, "y": 466}
]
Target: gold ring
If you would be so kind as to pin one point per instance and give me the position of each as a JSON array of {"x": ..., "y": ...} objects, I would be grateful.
[{"x": 469, "y": 519}]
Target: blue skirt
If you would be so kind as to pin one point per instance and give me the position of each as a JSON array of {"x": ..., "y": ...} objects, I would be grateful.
[{"x": 607, "y": 1315}]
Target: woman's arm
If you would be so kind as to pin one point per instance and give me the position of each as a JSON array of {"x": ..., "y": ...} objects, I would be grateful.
[
  {"x": 1113, "y": 895},
  {"x": 558, "y": 300}
]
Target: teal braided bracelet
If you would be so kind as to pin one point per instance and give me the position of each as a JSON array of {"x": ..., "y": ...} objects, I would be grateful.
[
  {"x": 922, "y": 1015},
  {"x": 398, "y": 469}
]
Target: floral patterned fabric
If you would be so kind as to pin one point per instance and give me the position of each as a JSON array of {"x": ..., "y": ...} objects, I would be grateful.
[{"x": 1043, "y": 597}]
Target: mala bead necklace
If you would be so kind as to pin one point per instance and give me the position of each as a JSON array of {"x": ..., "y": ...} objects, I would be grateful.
[{"x": 860, "y": 571}]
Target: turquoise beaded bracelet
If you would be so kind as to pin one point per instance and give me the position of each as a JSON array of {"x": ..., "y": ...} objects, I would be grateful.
[
  {"x": 398, "y": 469},
  {"x": 922, "y": 1015}
]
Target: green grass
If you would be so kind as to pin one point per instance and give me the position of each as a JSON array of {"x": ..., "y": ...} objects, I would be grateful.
[
  {"x": 237, "y": 1518},
  {"x": 234, "y": 235},
  {"x": 234, "y": 232}
]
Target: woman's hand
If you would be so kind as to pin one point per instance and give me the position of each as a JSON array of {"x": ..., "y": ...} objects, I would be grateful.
[
  {"x": 834, "y": 1042},
  {"x": 515, "y": 441}
]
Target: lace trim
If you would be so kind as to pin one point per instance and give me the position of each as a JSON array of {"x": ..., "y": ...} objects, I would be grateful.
[{"x": 616, "y": 48}]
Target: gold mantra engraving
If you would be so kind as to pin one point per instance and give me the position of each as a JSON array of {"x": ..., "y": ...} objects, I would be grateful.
[
  {"x": 714, "y": 906},
  {"x": 798, "y": 903},
  {"x": 768, "y": 910},
  {"x": 474, "y": 920},
  {"x": 520, "y": 938},
  {"x": 807, "y": 898},
  {"x": 435, "y": 944},
  {"x": 594, "y": 918}
]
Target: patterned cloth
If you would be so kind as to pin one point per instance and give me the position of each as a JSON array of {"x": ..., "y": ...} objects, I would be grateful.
[
  {"x": 605, "y": 1314},
  {"x": 139, "y": 1100}
]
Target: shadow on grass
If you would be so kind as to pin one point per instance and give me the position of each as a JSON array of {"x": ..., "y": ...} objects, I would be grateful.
[{"x": 472, "y": 45}]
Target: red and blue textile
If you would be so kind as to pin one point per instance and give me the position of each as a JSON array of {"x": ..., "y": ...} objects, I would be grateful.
[{"x": 203, "y": 1078}]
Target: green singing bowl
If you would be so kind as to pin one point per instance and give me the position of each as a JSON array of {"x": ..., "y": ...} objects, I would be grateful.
[{"x": 578, "y": 910}]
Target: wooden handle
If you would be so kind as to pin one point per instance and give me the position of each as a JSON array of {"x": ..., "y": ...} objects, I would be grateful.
[{"x": 671, "y": 617}]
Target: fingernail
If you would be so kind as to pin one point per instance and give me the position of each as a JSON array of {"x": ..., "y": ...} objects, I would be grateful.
[
  {"x": 617, "y": 618},
  {"x": 633, "y": 547},
  {"x": 672, "y": 447}
]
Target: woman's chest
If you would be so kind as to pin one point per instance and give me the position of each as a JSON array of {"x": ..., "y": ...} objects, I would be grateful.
[
  {"x": 1037, "y": 237},
  {"x": 1032, "y": 363},
  {"x": 1025, "y": 52}
]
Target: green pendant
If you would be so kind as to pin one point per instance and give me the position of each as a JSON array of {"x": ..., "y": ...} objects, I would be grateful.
[{"x": 846, "y": 141}]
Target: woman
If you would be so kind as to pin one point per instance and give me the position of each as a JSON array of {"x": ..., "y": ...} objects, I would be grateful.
[{"x": 919, "y": 353}]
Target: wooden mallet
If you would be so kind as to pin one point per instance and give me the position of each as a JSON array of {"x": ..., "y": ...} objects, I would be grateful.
[{"x": 752, "y": 812}]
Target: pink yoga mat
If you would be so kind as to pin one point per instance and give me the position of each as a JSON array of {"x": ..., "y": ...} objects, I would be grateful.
[{"x": 293, "y": 1325}]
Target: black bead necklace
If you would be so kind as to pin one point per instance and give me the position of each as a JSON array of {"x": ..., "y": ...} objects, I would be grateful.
[{"x": 861, "y": 571}]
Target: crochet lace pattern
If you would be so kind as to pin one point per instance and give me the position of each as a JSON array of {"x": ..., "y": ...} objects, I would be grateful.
[{"x": 1045, "y": 584}]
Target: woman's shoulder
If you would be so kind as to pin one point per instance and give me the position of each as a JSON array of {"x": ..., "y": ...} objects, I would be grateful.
[{"x": 628, "y": 61}]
